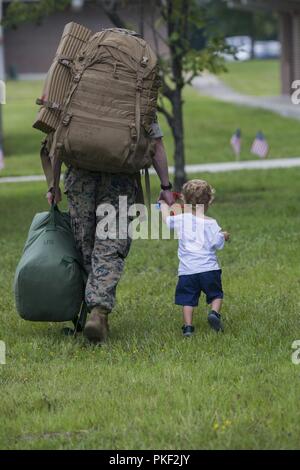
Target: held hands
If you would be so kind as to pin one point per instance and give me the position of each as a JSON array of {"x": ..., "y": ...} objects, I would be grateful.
[
  {"x": 167, "y": 196},
  {"x": 226, "y": 236}
]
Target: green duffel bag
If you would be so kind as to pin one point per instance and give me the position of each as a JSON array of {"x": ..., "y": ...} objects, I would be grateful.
[{"x": 50, "y": 280}]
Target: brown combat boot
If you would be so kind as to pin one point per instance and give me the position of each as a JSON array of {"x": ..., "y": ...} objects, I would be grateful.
[{"x": 96, "y": 327}]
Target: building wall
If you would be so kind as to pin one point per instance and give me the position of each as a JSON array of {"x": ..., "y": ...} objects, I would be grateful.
[
  {"x": 290, "y": 56},
  {"x": 30, "y": 48}
]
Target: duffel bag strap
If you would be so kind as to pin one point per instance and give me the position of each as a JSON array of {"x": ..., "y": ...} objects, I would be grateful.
[
  {"x": 53, "y": 211},
  {"x": 80, "y": 320}
]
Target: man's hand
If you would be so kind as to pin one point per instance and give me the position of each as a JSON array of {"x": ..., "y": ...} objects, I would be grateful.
[
  {"x": 51, "y": 197},
  {"x": 160, "y": 164},
  {"x": 226, "y": 236},
  {"x": 168, "y": 197}
]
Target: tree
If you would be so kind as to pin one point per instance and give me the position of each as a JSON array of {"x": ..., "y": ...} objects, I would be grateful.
[
  {"x": 181, "y": 18},
  {"x": 173, "y": 22}
]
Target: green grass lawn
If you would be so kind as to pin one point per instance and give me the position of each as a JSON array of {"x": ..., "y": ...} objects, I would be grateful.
[
  {"x": 148, "y": 387},
  {"x": 254, "y": 77},
  {"x": 209, "y": 125}
]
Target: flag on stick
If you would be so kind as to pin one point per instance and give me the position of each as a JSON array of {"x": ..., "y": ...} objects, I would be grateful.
[
  {"x": 235, "y": 142},
  {"x": 1, "y": 159},
  {"x": 260, "y": 146}
]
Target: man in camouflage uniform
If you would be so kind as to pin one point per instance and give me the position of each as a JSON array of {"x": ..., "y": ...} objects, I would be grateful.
[{"x": 104, "y": 258}]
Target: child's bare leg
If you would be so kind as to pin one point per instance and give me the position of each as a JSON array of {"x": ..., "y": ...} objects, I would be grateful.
[
  {"x": 188, "y": 315},
  {"x": 216, "y": 305}
]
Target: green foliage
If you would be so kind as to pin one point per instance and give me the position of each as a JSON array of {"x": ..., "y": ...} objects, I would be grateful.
[
  {"x": 182, "y": 19},
  {"x": 19, "y": 12},
  {"x": 232, "y": 22},
  {"x": 209, "y": 59},
  {"x": 148, "y": 388}
]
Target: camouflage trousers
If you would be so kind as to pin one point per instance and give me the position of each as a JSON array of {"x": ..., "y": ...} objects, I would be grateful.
[{"x": 103, "y": 258}]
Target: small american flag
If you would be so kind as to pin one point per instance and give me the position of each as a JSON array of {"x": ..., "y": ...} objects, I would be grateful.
[
  {"x": 260, "y": 146},
  {"x": 235, "y": 142},
  {"x": 1, "y": 159}
]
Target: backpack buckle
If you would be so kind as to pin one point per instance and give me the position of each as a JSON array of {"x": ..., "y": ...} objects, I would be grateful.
[
  {"x": 133, "y": 131},
  {"x": 77, "y": 77},
  {"x": 139, "y": 84},
  {"x": 48, "y": 104},
  {"x": 55, "y": 106},
  {"x": 144, "y": 61},
  {"x": 65, "y": 62},
  {"x": 67, "y": 119}
]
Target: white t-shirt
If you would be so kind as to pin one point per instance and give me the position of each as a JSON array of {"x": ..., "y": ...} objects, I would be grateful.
[{"x": 199, "y": 238}]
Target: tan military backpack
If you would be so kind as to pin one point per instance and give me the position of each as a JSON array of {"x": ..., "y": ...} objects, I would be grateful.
[{"x": 105, "y": 120}]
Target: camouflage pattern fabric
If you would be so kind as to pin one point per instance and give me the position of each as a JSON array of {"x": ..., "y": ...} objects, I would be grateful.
[{"x": 103, "y": 259}]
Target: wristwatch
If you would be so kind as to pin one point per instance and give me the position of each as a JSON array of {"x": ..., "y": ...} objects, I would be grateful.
[{"x": 166, "y": 188}]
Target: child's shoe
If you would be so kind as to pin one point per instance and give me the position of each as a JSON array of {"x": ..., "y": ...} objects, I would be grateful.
[
  {"x": 188, "y": 330},
  {"x": 214, "y": 320}
]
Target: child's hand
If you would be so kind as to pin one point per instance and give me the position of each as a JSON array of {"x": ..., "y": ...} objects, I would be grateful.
[
  {"x": 226, "y": 236},
  {"x": 168, "y": 197}
]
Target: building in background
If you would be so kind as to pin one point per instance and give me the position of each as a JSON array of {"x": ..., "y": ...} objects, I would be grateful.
[
  {"x": 289, "y": 18},
  {"x": 29, "y": 49}
]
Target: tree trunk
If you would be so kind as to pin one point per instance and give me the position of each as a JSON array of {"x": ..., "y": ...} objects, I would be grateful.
[
  {"x": 110, "y": 9},
  {"x": 142, "y": 18},
  {"x": 176, "y": 15},
  {"x": 252, "y": 37},
  {"x": 178, "y": 135},
  {"x": 252, "y": 50}
]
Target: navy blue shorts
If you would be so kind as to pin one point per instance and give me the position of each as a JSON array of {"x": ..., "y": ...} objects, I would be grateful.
[{"x": 190, "y": 286}]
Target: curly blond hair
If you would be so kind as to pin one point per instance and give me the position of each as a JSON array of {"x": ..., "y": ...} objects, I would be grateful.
[{"x": 198, "y": 192}]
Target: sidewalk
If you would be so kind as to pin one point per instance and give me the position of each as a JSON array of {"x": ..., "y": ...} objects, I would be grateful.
[
  {"x": 210, "y": 85},
  {"x": 201, "y": 168}
]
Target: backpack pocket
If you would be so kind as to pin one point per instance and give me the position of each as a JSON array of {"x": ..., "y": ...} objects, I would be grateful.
[{"x": 98, "y": 144}]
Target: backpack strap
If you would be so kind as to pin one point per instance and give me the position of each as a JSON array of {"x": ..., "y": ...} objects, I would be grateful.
[
  {"x": 52, "y": 169},
  {"x": 80, "y": 320},
  {"x": 46, "y": 162},
  {"x": 139, "y": 88},
  {"x": 56, "y": 147},
  {"x": 51, "y": 166}
]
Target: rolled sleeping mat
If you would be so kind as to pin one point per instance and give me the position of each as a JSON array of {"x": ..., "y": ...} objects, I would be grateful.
[{"x": 58, "y": 78}]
